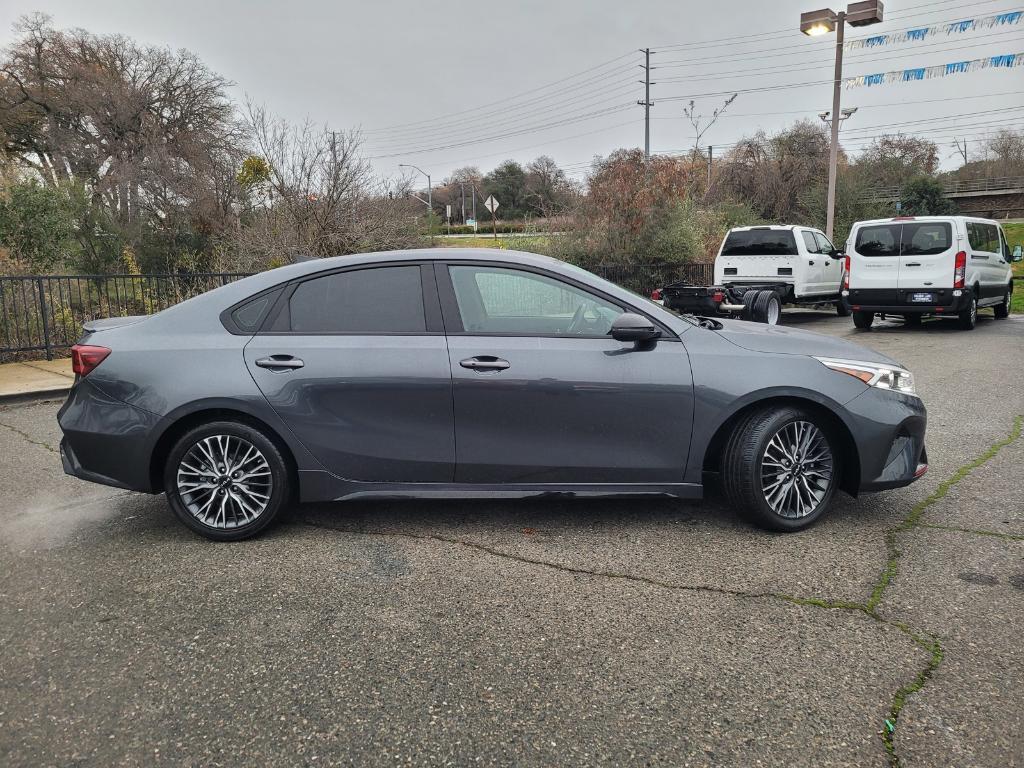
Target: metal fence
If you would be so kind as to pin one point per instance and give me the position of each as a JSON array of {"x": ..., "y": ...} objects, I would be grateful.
[{"x": 44, "y": 313}]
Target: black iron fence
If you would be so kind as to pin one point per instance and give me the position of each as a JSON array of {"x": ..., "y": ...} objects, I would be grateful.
[{"x": 44, "y": 313}]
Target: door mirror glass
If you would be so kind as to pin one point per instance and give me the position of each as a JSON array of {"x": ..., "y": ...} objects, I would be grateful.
[
  {"x": 1018, "y": 255},
  {"x": 632, "y": 327}
]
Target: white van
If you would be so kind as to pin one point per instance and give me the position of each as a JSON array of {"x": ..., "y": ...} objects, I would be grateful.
[{"x": 947, "y": 266}]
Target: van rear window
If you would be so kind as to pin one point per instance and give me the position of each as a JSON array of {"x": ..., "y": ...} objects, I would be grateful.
[
  {"x": 760, "y": 242},
  {"x": 923, "y": 238},
  {"x": 878, "y": 240}
]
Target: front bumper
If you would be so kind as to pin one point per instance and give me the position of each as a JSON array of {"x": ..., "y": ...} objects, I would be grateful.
[
  {"x": 106, "y": 440},
  {"x": 889, "y": 431},
  {"x": 948, "y": 301}
]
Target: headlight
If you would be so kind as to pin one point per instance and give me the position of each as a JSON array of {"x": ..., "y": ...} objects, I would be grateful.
[{"x": 874, "y": 374}]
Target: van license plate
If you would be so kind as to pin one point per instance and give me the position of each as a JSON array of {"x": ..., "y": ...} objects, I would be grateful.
[{"x": 926, "y": 298}]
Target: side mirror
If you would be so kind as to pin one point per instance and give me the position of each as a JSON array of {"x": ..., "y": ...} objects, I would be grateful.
[
  {"x": 1017, "y": 254},
  {"x": 835, "y": 253},
  {"x": 632, "y": 327}
]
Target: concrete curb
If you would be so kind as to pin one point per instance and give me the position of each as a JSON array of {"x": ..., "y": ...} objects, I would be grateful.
[{"x": 39, "y": 395}]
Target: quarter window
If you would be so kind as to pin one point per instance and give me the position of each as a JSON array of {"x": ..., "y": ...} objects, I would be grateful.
[
  {"x": 983, "y": 237},
  {"x": 379, "y": 300},
  {"x": 510, "y": 301}
]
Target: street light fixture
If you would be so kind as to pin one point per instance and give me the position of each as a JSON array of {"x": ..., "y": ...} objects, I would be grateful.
[
  {"x": 430, "y": 191},
  {"x": 821, "y": 22}
]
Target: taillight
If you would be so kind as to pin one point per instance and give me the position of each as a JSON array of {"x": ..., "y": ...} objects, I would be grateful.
[
  {"x": 960, "y": 269},
  {"x": 656, "y": 294},
  {"x": 85, "y": 357},
  {"x": 718, "y": 297},
  {"x": 846, "y": 273}
]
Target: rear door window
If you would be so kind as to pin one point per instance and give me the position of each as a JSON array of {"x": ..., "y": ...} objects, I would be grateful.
[
  {"x": 760, "y": 242},
  {"x": 926, "y": 238},
  {"x": 379, "y": 300},
  {"x": 809, "y": 242},
  {"x": 878, "y": 240}
]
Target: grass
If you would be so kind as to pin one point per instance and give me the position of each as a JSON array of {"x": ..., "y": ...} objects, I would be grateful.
[{"x": 1014, "y": 232}]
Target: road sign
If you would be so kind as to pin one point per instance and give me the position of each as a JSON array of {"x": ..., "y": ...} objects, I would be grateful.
[{"x": 491, "y": 204}]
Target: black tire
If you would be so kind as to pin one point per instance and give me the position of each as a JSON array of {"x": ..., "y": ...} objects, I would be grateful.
[
  {"x": 969, "y": 317},
  {"x": 912, "y": 318},
  {"x": 766, "y": 304},
  {"x": 863, "y": 320},
  {"x": 278, "y": 483},
  {"x": 743, "y": 462},
  {"x": 842, "y": 308},
  {"x": 749, "y": 298},
  {"x": 1003, "y": 310}
]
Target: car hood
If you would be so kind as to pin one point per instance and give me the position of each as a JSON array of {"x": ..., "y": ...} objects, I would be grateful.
[{"x": 784, "y": 340}]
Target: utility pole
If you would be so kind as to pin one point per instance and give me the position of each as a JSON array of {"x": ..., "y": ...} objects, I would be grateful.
[
  {"x": 647, "y": 103},
  {"x": 462, "y": 189}
]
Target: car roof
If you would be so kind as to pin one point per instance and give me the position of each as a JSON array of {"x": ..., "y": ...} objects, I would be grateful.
[
  {"x": 893, "y": 219},
  {"x": 771, "y": 226}
]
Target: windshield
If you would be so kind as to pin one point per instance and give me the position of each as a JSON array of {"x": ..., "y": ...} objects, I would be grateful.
[{"x": 759, "y": 242}]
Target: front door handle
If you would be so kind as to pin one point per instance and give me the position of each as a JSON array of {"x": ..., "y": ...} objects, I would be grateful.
[
  {"x": 280, "y": 363},
  {"x": 811, "y": 262},
  {"x": 484, "y": 363},
  {"x": 912, "y": 264}
]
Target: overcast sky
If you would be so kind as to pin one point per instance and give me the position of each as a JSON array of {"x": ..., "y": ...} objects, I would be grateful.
[{"x": 455, "y": 71}]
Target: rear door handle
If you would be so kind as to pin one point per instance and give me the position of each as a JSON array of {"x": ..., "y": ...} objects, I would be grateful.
[
  {"x": 484, "y": 363},
  {"x": 811, "y": 263},
  {"x": 280, "y": 363},
  {"x": 912, "y": 264}
]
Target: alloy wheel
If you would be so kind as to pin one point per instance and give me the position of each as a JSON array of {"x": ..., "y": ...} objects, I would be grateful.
[
  {"x": 224, "y": 481},
  {"x": 796, "y": 469}
]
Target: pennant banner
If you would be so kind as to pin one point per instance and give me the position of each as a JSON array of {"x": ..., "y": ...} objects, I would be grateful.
[
  {"x": 1006, "y": 61},
  {"x": 915, "y": 35}
]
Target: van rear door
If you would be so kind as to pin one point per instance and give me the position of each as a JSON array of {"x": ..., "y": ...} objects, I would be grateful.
[
  {"x": 927, "y": 256},
  {"x": 875, "y": 262}
]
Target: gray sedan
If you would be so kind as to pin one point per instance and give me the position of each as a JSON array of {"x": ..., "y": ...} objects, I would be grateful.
[{"x": 474, "y": 373}]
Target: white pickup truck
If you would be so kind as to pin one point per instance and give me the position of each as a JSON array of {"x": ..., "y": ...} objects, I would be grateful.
[{"x": 759, "y": 269}]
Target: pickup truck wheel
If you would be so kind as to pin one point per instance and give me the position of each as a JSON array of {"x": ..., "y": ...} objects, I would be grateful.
[
  {"x": 842, "y": 308},
  {"x": 1003, "y": 310},
  {"x": 748, "y": 305},
  {"x": 863, "y": 320},
  {"x": 767, "y": 307},
  {"x": 779, "y": 468},
  {"x": 969, "y": 317}
]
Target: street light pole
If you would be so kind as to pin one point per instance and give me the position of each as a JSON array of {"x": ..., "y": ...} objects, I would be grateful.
[
  {"x": 858, "y": 14},
  {"x": 833, "y": 150},
  {"x": 430, "y": 191}
]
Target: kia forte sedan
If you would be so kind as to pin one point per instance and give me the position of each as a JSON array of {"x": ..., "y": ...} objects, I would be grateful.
[{"x": 474, "y": 373}]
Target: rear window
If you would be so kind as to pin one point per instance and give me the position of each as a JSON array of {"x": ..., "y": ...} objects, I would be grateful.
[
  {"x": 910, "y": 239},
  {"x": 927, "y": 238},
  {"x": 760, "y": 242},
  {"x": 878, "y": 240}
]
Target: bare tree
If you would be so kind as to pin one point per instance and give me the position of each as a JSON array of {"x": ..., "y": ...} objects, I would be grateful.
[
  {"x": 316, "y": 197},
  {"x": 701, "y": 124}
]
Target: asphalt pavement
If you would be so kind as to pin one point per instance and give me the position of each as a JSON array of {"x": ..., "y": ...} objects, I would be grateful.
[{"x": 537, "y": 632}]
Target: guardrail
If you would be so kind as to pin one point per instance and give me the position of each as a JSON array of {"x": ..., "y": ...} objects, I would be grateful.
[
  {"x": 44, "y": 313},
  {"x": 959, "y": 186}
]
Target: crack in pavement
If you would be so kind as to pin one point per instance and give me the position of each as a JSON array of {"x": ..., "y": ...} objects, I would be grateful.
[
  {"x": 29, "y": 437},
  {"x": 923, "y": 640},
  {"x": 975, "y": 531}
]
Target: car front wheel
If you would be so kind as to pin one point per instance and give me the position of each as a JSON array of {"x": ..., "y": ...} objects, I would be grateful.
[
  {"x": 226, "y": 480},
  {"x": 779, "y": 468}
]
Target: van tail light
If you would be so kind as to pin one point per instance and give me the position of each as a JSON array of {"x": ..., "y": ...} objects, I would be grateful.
[
  {"x": 960, "y": 269},
  {"x": 85, "y": 357},
  {"x": 656, "y": 294},
  {"x": 846, "y": 273}
]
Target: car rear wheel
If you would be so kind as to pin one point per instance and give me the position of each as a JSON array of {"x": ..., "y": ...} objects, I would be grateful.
[
  {"x": 1003, "y": 310},
  {"x": 226, "y": 480},
  {"x": 779, "y": 468},
  {"x": 863, "y": 320},
  {"x": 969, "y": 317}
]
